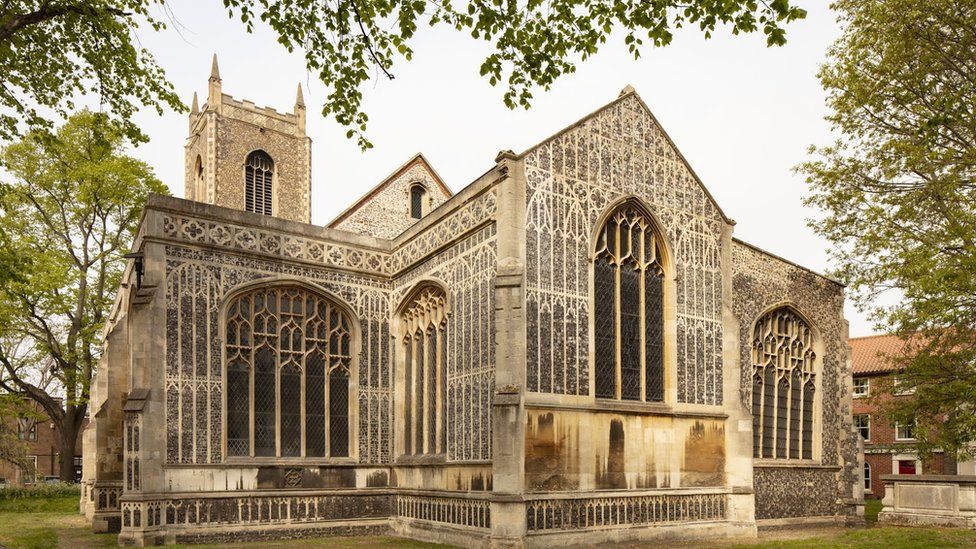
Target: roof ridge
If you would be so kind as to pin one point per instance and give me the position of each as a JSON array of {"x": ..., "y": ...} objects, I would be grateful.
[
  {"x": 627, "y": 93},
  {"x": 873, "y": 335},
  {"x": 416, "y": 158}
]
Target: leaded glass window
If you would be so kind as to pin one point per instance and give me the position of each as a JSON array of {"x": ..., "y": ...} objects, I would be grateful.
[
  {"x": 258, "y": 175},
  {"x": 628, "y": 278},
  {"x": 424, "y": 328},
  {"x": 288, "y": 352},
  {"x": 783, "y": 386}
]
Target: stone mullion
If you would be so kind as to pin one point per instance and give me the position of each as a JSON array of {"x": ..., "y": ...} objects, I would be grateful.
[
  {"x": 412, "y": 412},
  {"x": 762, "y": 408},
  {"x": 302, "y": 325},
  {"x": 642, "y": 268},
  {"x": 438, "y": 415},
  {"x": 251, "y": 404},
  {"x": 617, "y": 374},
  {"x": 789, "y": 409},
  {"x": 193, "y": 391},
  {"x": 801, "y": 426},
  {"x": 327, "y": 372},
  {"x": 277, "y": 376},
  {"x": 425, "y": 409}
]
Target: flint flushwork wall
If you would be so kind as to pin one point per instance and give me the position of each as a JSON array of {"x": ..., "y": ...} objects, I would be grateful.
[{"x": 571, "y": 180}]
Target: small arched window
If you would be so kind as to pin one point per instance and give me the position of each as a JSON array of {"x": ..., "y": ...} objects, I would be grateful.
[
  {"x": 783, "y": 386},
  {"x": 198, "y": 185},
  {"x": 424, "y": 333},
  {"x": 281, "y": 340},
  {"x": 867, "y": 476},
  {"x": 258, "y": 176},
  {"x": 417, "y": 194},
  {"x": 628, "y": 276}
]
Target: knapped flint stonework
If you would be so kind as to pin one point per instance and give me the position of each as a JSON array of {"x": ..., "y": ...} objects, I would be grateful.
[
  {"x": 470, "y": 418},
  {"x": 385, "y": 211},
  {"x": 760, "y": 283},
  {"x": 571, "y": 179}
]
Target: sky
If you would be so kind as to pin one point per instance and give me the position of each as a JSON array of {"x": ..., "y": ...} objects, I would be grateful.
[{"x": 742, "y": 114}]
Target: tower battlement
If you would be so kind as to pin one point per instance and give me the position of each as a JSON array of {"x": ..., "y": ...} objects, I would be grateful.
[{"x": 244, "y": 156}]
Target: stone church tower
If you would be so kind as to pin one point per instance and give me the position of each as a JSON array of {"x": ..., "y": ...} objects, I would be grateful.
[{"x": 246, "y": 157}]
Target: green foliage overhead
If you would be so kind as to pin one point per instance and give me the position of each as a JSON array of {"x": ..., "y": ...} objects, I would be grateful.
[
  {"x": 52, "y": 52},
  {"x": 899, "y": 191},
  {"x": 69, "y": 211}
]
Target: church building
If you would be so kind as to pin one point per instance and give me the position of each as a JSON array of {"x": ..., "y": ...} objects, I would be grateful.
[{"x": 571, "y": 349}]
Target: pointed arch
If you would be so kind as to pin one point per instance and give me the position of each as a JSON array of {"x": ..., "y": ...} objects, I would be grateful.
[
  {"x": 259, "y": 170},
  {"x": 785, "y": 362},
  {"x": 632, "y": 275},
  {"x": 289, "y": 354},
  {"x": 422, "y": 328}
]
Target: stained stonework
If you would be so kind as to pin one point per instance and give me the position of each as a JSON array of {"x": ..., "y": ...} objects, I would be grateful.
[
  {"x": 384, "y": 212},
  {"x": 524, "y": 453}
]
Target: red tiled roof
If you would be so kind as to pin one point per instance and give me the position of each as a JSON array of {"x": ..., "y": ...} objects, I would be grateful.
[{"x": 869, "y": 354}]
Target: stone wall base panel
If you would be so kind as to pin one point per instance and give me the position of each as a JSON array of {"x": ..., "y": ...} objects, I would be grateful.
[{"x": 694, "y": 531}]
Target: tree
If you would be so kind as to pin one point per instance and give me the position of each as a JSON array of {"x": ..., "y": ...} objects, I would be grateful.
[
  {"x": 13, "y": 449},
  {"x": 69, "y": 215},
  {"x": 51, "y": 50},
  {"x": 899, "y": 194}
]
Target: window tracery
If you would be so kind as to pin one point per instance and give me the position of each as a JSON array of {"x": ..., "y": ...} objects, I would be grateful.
[
  {"x": 783, "y": 377},
  {"x": 258, "y": 176},
  {"x": 424, "y": 327},
  {"x": 288, "y": 352},
  {"x": 628, "y": 277}
]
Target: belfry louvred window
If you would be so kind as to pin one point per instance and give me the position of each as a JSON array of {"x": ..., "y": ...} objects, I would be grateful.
[
  {"x": 417, "y": 193},
  {"x": 783, "y": 386},
  {"x": 288, "y": 363},
  {"x": 424, "y": 336},
  {"x": 258, "y": 175},
  {"x": 628, "y": 277}
]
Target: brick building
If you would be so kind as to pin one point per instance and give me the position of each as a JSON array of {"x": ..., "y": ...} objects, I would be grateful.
[
  {"x": 888, "y": 447},
  {"x": 41, "y": 436},
  {"x": 572, "y": 348}
]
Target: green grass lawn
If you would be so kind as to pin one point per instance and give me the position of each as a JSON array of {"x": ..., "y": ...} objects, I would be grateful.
[
  {"x": 875, "y": 538},
  {"x": 55, "y": 522},
  {"x": 871, "y": 509}
]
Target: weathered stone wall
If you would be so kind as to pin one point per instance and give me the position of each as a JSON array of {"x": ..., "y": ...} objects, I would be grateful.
[
  {"x": 571, "y": 180},
  {"x": 222, "y": 136},
  {"x": 292, "y": 158},
  {"x": 569, "y": 450},
  {"x": 385, "y": 211},
  {"x": 467, "y": 271},
  {"x": 760, "y": 282},
  {"x": 197, "y": 281}
]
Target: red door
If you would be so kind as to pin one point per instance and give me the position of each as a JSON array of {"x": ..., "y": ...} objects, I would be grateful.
[{"x": 906, "y": 466}]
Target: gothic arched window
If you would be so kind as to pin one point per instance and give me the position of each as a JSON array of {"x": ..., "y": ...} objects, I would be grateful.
[
  {"x": 280, "y": 340},
  {"x": 628, "y": 277},
  {"x": 417, "y": 194},
  {"x": 783, "y": 386},
  {"x": 258, "y": 175},
  {"x": 424, "y": 335}
]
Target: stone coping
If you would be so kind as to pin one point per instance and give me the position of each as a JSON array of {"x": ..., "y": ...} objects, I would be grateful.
[
  {"x": 796, "y": 464},
  {"x": 394, "y": 491},
  {"x": 950, "y": 479}
]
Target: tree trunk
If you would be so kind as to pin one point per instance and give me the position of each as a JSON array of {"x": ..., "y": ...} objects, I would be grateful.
[{"x": 68, "y": 442}]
